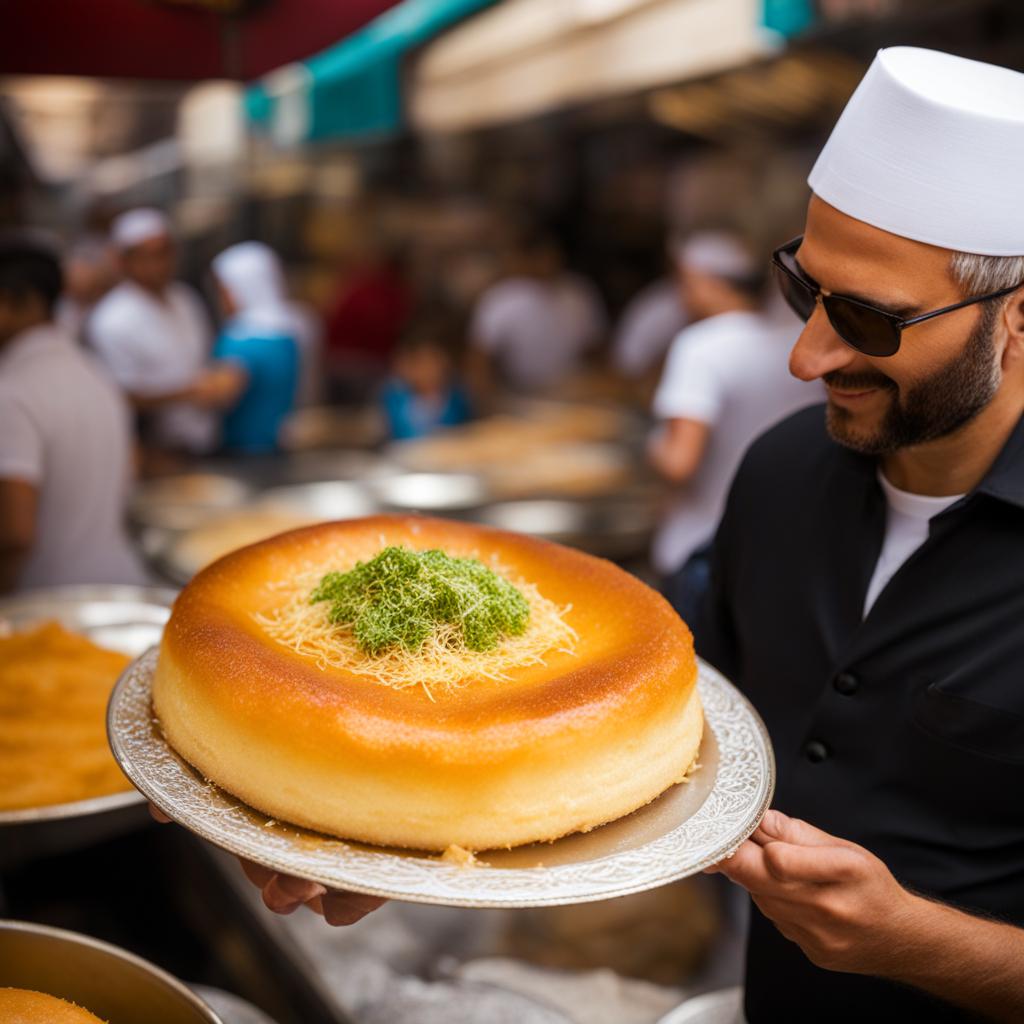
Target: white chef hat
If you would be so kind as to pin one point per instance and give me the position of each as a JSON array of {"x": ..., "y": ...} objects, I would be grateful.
[
  {"x": 716, "y": 252},
  {"x": 931, "y": 147},
  {"x": 139, "y": 225}
]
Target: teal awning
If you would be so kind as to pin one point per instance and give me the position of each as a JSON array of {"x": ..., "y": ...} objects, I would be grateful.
[{"x": 352, "y": 90}]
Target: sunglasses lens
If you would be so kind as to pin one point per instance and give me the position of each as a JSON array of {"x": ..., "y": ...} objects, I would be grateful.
[
  {"x": 866, "y": 330},
  {"x": 800, "y": 297}
]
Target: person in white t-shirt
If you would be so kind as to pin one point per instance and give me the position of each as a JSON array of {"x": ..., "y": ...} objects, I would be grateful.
[
  {"x": 650, "y": 322},
  {"x": 532, "y": 329},
  {"x": 65, "y": 440},
  {"x": 725, "y": 381},
  {"x": 154, "y": 336}
]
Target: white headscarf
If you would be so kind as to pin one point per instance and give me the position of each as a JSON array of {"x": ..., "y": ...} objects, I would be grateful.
[{"x": 251, "y": 274}]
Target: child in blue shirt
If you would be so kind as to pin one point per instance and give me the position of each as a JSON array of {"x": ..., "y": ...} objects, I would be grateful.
[{"x": 423, "y": 393}]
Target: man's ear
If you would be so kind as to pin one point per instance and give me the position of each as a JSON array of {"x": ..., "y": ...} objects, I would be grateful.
[{"x": 1013, "y": 322}]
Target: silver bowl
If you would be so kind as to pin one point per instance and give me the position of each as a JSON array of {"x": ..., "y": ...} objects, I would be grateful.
[
  {"x": 612, "y": 528},
  {"x": 430, "y": 492},
  {"x": 112, "y": 983},
  {"x": 329, "y": 499},
  {"x": 181, "y": 501}
]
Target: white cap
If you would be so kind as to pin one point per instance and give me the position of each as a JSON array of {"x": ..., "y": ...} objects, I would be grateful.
[
  {"x": 137, "y": 226},
  {"x": 931, "y": 147},
  {"x": 717, "y": 253}
]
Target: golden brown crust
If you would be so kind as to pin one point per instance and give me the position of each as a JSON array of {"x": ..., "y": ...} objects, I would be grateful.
[
  {"x": 22, "y": 1006},
  {"x": 633, "y": 670}
]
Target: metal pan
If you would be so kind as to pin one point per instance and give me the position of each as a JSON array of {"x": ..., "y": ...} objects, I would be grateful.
[
  {"x": 178, "y": 502},
  {"x": 110, "y": 982},
  {"x": 123, "y": 618},
  {"x": 611, "y": 528},
  {"x": 430, "y": 492}
]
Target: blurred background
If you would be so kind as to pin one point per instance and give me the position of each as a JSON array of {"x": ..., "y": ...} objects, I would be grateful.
[{"x": 483, "y": 226}]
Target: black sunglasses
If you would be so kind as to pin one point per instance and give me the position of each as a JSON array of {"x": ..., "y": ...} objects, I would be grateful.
[{"x": 868, "y": 329}]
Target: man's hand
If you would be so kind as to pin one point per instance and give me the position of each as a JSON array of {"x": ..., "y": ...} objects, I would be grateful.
[
  {"x": 284, "y": 894},
  {"x": 839, "y": 903}
]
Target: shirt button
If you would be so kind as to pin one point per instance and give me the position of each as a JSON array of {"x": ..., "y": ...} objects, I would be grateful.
[
  {"x": 846, "y": 683},
  {"x": 815, "y": 751}
]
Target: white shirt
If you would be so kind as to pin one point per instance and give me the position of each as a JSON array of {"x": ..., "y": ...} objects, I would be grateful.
[
  {"x": 537, "y": 330},
  {"x": 153, "y": 348},
  {"x": 906, "y": 529},
  {"x": 646, "y": 328},
  {"x": 66, "y": 429},
  {"x": 730, "y": 372}
]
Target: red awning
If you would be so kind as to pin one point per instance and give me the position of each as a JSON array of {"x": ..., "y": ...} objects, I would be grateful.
[{"x": 149, "y": 39}]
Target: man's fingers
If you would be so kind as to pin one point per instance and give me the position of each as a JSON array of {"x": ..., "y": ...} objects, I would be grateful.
[
  {"x": 283, "y": 894},
  {"x": 816, "y": 865},
  {"x": 776, "y": 826},
  {"x": 341, "y": 908},
  {"x": 256, "y": 873},
  {"x": 157, "y": 815},
  {"x": 746, "y": 867}
]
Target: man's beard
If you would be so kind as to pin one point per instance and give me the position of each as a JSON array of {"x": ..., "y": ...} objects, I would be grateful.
[{"x": 931, "y": 409}]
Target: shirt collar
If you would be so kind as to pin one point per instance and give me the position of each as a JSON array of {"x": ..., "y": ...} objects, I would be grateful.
[{"x": 1005, "y": 479}]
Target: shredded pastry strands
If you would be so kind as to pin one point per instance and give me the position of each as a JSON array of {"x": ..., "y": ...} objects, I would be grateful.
[{"x": 442, "y": 663}]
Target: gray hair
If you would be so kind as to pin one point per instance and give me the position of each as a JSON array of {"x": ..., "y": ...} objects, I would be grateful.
[{"x": 979, "y": 275}]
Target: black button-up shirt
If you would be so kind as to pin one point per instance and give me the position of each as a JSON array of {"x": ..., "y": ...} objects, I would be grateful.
[{"x": 902, "y": 731}]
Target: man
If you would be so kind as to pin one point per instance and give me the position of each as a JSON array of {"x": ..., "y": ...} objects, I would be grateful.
[
  {"x": 725, "y": 381},
  {"x": 65, "y": 440},
  {"x": 532, "y": 328},
  {"x": 889, "y": 675},
  {"x": 868, "y": 575},
  {"x": 649, "y": 323},
  {"x": 154, "y": 336}
]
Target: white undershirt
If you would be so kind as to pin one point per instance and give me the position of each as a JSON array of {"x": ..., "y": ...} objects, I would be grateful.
[{"x": 906, "y": 529}]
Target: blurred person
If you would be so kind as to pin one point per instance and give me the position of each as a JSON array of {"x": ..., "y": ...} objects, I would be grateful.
[
  {"x": 532, "y": 328},
  {"x": 65, "y": 439},
  {"x": 310, "y": 337},
  {"x": 258, "y": 337},
  {"x": 370, "y": 309},
  {"x": 153, "y": 334},
  {"x": 423, "y": 393},
  {"x": 725, "y": 381},
  {"x": 90, "y": 271},
  {"x": 650, "y": 322}
]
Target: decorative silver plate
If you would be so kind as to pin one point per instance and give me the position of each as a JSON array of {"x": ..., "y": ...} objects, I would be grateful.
[
  {"x": 122, "y": 618},
  {"x": 685, "y": 830}
]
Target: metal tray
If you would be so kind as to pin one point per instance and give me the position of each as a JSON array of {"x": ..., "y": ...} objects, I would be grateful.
[
  {"x": 685, "y": 830},
  {"x": 613, "y": 528},
  {"x": 112, "y": 983},
  {"x": 430, "y": 492},
  {"x": 123, "y": 618},
  {"x": 178, "y": 502},
  {"x": 327, "y": 499}
]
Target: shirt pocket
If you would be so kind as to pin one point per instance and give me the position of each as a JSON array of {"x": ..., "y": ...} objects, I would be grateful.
[{"x": 967, "y": 724}]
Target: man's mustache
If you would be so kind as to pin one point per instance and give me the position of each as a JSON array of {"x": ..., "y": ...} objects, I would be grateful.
[{"x": 859, "y": 381}]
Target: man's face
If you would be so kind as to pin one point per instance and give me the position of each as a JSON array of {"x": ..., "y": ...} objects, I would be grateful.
[
  {"x": 150, "y": 263},
  {"x": 946, "y": 370}
]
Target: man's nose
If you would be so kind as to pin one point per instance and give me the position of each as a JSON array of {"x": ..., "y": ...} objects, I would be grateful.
[{"x": 819, "y": 350}]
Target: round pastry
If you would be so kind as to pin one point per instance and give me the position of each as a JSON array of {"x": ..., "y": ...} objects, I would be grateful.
[
  {"x": 22, "y": 1006},
  {"x": 426, "y": 683}
]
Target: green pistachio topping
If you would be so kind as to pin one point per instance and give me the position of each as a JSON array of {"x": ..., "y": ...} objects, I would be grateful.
[{"x": 400, "y": 597}]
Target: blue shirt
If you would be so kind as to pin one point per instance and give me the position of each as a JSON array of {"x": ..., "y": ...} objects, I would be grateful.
[
  {"x": 411, "y": 416},
  {"x": 272, "y": 363}
]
